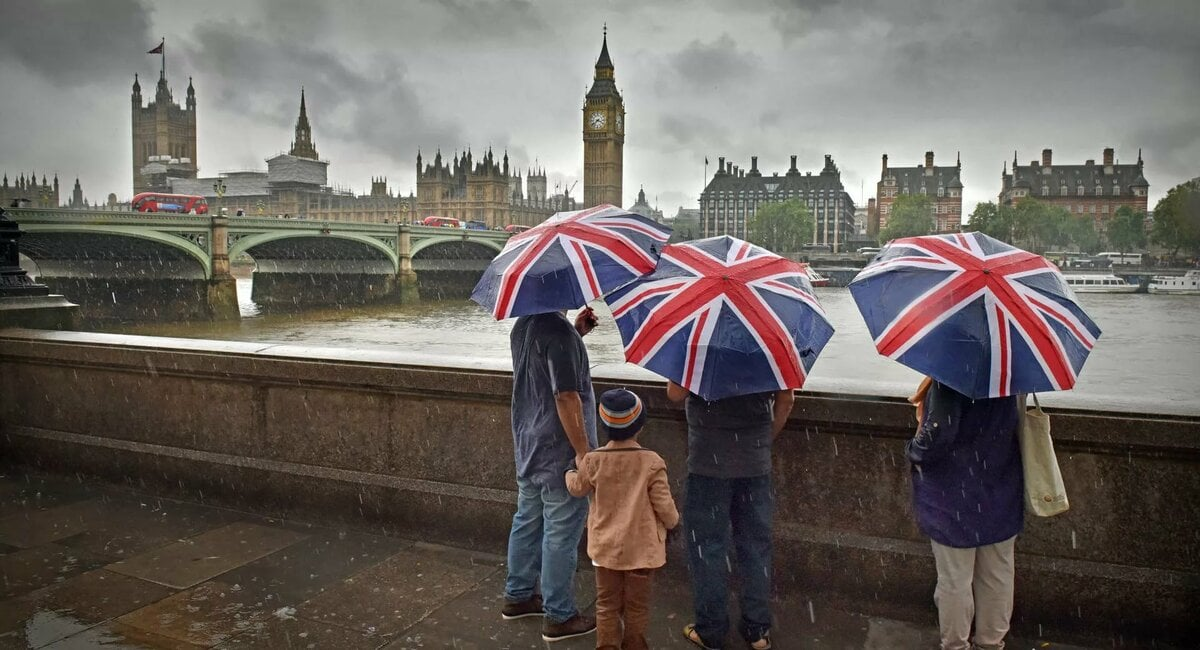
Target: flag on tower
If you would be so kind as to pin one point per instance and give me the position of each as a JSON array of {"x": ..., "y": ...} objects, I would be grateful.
[{"x": 159, "y": 48}]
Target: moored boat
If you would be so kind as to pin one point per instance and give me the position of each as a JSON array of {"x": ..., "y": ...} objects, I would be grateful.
[
  {"x": 1187, "y": 284},
  {"x": 1099, "y": 283},
  {"x": 815, "y": 278}
]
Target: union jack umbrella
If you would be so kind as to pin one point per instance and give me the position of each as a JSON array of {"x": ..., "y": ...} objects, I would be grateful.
[
  {"x": 983, "y": 317},
  {"x": 569, "y": 260},
  {"x": 722, "y": 317}
]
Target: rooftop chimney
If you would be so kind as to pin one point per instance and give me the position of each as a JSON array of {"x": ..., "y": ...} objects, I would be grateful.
[
  {"x": 884, "y": 164},
  {"x": 1046, "y": 157},
  {"x": 729, "y": 168},
  {"x": 793, "y": 167},
  {"x": 929, "y": 159},
  {"x": 753, "y": 164},
  {"x": 1108, "y": 157},
  {"x": 720, "y": 164}
]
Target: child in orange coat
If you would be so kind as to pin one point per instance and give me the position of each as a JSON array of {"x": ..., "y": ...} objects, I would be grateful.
[{"x": 631, "y": 512}]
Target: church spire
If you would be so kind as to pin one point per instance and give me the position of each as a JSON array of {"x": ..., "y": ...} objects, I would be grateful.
[
  {"x": 303, "y": 146},
  {"x": 604, "y": 61}
]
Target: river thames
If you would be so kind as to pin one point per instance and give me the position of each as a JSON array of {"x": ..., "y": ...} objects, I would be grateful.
[{"x": 1147, "y": 359}]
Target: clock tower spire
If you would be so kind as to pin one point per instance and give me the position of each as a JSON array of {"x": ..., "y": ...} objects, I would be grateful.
[{"x": 603, "y": 135}]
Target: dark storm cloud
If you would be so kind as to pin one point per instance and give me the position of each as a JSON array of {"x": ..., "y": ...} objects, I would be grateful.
[
  {"x": 71, "y": 42},
  {"x": 369, "y": 101},
  {"x": 716, "y": 63}
]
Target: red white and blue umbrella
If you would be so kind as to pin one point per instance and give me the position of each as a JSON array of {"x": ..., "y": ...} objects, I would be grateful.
[
  {"x": 979, "y": 315},
  {"x": 569, "y": 260},
  {"x": 722, "y": 317}
]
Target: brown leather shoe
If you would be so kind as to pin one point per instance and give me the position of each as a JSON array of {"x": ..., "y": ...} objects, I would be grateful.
[
  {"x": 531, "y": 607},
  {"x": 577, "y": 625}
]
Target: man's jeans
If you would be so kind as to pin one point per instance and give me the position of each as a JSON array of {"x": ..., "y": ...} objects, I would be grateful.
[
  {"x": 545, "y": 542},
  {"x": 713, "y": 506}
]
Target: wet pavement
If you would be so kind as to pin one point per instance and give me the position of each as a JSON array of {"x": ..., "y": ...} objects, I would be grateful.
[{"x": 86, "y": 565}]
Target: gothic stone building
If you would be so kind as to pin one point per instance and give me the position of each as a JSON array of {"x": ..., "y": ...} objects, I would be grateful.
[
  {"x": 164, "y": 137},
  {"x": 733, "y": 195},
  {"x": 942, "y": 184},
  {"x": 486, "y": 191},
  {"x": 603, "y": 135},
  {"x": 1091, "y": 189},
  {"x": 38, "y": 195},
  {"x": 296, "y": 184}
]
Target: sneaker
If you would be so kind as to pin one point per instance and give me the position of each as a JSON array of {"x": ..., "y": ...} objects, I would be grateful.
[
  {"x": 577, "y": 625},
  {"x": 531, "y": 607}
]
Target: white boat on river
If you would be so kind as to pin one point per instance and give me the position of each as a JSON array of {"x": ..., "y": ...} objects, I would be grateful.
[
  {"x": 1099, "y": 283},
  {"x": 1187, "y": 284}
]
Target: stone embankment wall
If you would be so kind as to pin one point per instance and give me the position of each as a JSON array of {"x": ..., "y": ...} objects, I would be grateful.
[{"x": 362, "y": 439}]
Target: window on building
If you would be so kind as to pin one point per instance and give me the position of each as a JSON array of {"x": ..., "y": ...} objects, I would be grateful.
[
  {"x": 1099, "y": 190},
  {"x": 1079, "y": 190},
  {"x": 1092, "y": 208},
  {"x": 1063, "y": 190},
  {"x": 941, "y": 191},
  {"x": 1104, "y": 209}
]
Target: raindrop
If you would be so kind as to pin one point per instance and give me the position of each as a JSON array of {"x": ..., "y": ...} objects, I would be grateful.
[
  {"x": 812, "y": 614},
  {"x": 1073, "y": 545}
]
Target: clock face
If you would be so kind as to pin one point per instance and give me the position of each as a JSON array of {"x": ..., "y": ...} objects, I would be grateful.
[{"x": 596, "y": 120}]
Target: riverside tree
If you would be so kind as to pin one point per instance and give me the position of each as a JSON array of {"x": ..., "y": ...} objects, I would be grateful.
[
  {"x": 911, "y": 216},
  {"x": 782, "y": 227},
  {"x": 1127, "y": 229},
  {"x": 1177, "y": 219}
]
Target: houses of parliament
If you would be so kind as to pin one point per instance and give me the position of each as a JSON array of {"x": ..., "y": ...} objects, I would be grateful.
[{"x": 480, "y": 188}]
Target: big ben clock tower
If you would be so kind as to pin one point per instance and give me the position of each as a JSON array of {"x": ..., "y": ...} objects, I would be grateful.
[{"x": 603, "y": 135}]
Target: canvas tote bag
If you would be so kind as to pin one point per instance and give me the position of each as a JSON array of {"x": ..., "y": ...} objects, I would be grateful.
[{"x": 1045, "y": 494}]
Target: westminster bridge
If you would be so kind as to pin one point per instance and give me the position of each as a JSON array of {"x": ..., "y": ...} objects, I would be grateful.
[{"x": 154, "y": 266}]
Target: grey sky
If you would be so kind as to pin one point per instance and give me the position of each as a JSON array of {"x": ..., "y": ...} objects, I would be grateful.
[{"x": 771, "y": 78}]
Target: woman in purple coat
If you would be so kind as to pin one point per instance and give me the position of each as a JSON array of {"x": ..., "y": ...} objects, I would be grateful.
[{"x": 968, "y": 494}]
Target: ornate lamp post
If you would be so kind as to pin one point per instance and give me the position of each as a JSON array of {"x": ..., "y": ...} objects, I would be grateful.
[{"x": 219, "y": 188}]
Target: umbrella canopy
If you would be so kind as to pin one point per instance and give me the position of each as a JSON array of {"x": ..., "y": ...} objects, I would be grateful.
[
  {"x": 979, "y": 315},
  {"x": 569, "y": 260},
  {"x": 722, "y": 317}
]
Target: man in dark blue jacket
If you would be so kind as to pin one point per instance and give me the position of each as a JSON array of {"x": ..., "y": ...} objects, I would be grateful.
[{"x": 968, "y": 494}]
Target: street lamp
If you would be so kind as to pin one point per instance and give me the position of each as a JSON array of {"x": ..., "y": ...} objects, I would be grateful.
[{"x": 219, "y": 188}]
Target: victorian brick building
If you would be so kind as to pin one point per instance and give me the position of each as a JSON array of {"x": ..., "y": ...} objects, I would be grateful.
[
  {"x": 733, "y": 196},
  {"x": 1091, "y": 189},
  {"x": 941, "y": 184}
]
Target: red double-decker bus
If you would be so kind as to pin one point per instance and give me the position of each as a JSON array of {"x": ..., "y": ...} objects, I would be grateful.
[{"x": 175, "y": 203}]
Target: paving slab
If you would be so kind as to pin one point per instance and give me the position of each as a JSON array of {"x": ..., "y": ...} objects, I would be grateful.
[
  {"x": 37, "y": 527},
  {"x": 303, "y": 570},
  {"x": 397, "y": 593},
  {"x": 132, "y": 524},
  {"x": 63, "y": 609},
  {"x": 204, "y": 616},
  {"x": 23, "y": 493},
  {"x": 26, "y": 570},
  {"x": 472, "y": 621},
  {"x": 115, "y": 636},
  {"x": 290, "y": 633},
  {"x": 191, "y": 561}
]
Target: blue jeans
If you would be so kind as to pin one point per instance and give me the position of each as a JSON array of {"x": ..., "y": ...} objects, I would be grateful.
[
  {"x": 544, "y": 543},
  {"x": 714, "y": 506}
]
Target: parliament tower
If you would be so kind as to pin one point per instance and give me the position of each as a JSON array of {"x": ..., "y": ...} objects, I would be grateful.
[
  {"x": 603, "y": 135},
  {"x": 163, "y": 132}
]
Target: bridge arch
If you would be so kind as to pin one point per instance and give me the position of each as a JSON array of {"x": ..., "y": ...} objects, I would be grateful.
[
  {"x": 493, "y": 245},
  {"x": 39, "y": 243},
  {"x": 247, "y": 243}
]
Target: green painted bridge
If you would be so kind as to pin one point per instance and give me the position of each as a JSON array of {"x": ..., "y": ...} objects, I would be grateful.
[{"x": 153, "y": 266}]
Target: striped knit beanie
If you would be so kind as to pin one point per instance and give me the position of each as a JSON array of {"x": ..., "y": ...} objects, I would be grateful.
[{"x": 621, "y": 414}]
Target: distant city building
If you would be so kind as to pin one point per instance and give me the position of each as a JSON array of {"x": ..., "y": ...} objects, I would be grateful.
[
  {"x": 733, "y": 195},
  {"x": 77, "y": 201},
  {"x": 164, "y": 137},
  {"x": 485, "y": 191},
  {"x": 685, "y": 225},
  {"x": 860, "y": 219},
  {"x": 603, "y": 135},
  {"x": 1091, "y": 189},
  {"x": 643, "y": 208},
  {"x": 296, "y": 184},
  {"x": 941, "y": 184},
  {"x": 38, "y": 195}
]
